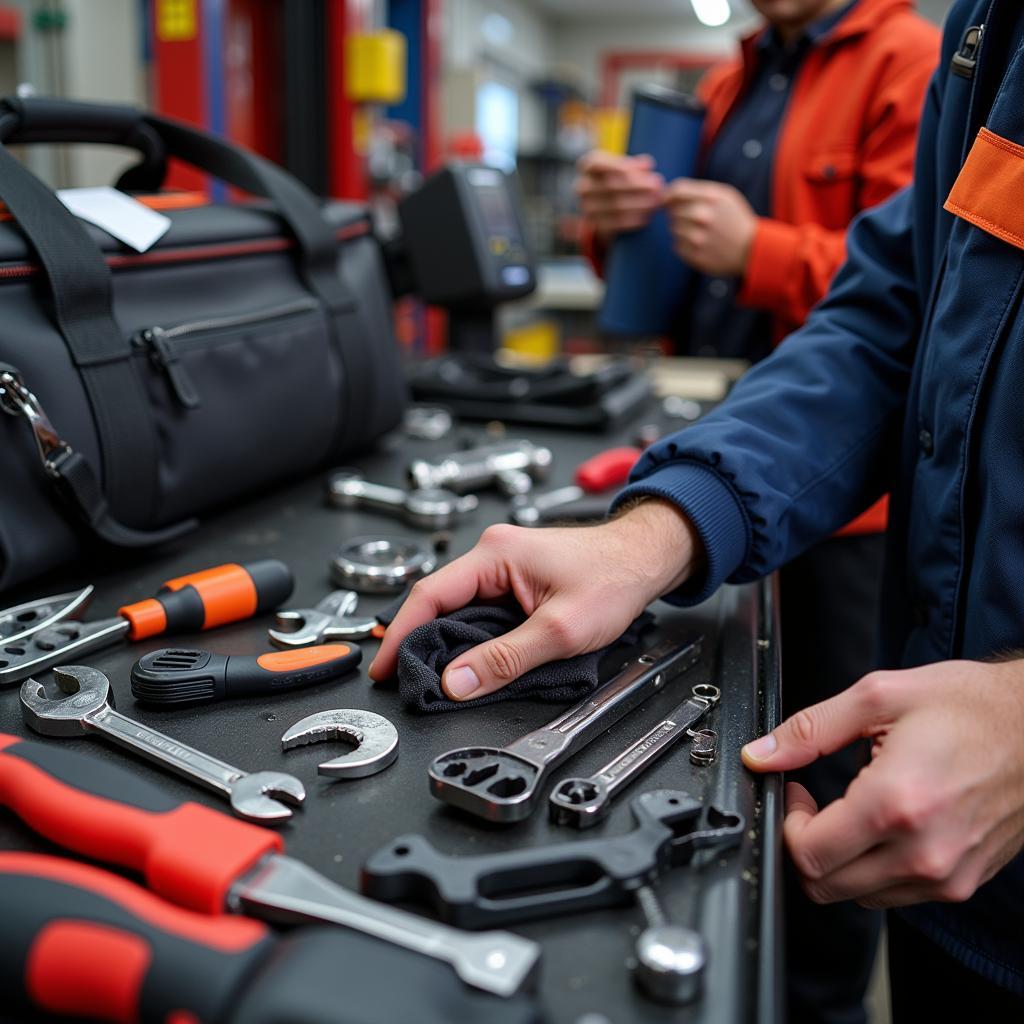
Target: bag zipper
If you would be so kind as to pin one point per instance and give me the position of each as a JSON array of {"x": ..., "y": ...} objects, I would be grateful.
[{"x": 164, "y": 344}]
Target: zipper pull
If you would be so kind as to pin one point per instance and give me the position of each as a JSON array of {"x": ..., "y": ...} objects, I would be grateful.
[
  {"x": 965, "y": 60},
  {"x": 163, "y": 354}
]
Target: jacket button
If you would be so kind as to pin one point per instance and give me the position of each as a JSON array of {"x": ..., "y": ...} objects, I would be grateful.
[
  {"x": 927, "y": 443},
  {"x": 829, "y": 172}
]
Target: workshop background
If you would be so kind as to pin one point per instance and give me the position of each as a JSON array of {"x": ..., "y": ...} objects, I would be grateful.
[{"x": 389, "y": 92}]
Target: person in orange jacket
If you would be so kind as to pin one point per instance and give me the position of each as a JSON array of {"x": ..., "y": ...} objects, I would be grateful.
[{"x": 813, "y": 122}]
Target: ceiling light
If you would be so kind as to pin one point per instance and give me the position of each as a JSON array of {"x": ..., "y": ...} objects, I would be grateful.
[{"x": 711, "y": 12}]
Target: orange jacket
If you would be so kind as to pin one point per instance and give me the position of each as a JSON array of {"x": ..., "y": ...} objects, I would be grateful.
[{"x": 846, "y": 143}]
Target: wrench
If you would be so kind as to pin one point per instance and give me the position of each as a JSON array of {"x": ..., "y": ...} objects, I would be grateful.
[
  {"x": 87, "y": 708},
  {"x": 584, "y": 802},
  {"x": 501, "y": 784},
  {"x": 376, "y": 741},
  {"x": 431, "y": 508},
  {"x": 331, "y": 619}
]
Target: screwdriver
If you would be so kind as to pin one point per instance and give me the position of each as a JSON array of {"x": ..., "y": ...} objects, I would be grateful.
[
  {"x": 201, "y": 600},
  {"x": 179, "y": 676}
]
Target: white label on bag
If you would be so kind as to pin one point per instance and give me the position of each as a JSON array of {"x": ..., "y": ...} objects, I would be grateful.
[{"x": 118, "y": 214}]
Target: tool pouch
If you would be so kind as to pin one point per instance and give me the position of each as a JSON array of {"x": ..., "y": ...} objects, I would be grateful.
[{"x": 252, "y": 343}]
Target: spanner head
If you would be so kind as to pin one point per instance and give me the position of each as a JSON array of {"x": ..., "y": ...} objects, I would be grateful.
[
  {"x": 299, "y": 627},
  {"x": 579, "y": 802},
  {"x": 375, "y": 737},
  {"x": 85, "y": 690},
  {"x": 261, "y": 796}
]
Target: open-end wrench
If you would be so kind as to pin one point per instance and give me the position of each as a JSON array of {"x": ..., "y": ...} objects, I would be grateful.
[
  {"x": 584, "y": 802},
  {"x": 502, "y": 783},
  {"x": 431, "y": 508},
  {"x": 108, "y": 813},
  {"x": 332, "y": 619},
  {"x": 87, "y": 709},
  {"x": 375, "y": 737}
]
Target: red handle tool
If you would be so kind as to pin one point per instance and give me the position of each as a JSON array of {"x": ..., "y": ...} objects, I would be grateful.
[
  {"x": 607, "y": 469},
  {"x": 82, "y": 942},
  {"x": 213, "y": 597},
  {"x": 184, "y": 676}
]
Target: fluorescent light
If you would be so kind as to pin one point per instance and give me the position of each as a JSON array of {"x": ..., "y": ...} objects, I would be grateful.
[{"x": 711, "y": 12}]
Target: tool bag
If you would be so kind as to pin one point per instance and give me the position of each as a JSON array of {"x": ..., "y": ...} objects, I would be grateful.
[{"x": 252, "y": 343}]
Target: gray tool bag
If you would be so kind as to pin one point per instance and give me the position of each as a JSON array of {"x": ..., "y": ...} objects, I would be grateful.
[{"x": 252, "y": 343}]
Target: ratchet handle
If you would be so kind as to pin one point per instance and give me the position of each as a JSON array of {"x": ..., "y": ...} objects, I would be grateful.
[
  {"x": 189, "y": 854},
  {"x": 211, "y": 598},
  {"x": 82, "y": 942},
  {"x": 175, "y": 676}
]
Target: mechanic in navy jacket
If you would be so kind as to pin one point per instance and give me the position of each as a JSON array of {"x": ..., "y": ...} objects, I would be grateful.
[{"x": 910, "y": 377}]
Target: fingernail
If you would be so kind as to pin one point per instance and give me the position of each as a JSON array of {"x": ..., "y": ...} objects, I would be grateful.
[
  {"x": 761, "y": 748},
  {"x": 369, "y": 671},
  {"x": 461, "y": 682}
]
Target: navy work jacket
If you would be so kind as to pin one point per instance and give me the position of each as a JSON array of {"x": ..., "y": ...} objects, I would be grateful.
[{"x": 909, "y": 377}]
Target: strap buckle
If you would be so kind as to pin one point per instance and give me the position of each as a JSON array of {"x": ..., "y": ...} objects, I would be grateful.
[{"x": 17, "y": 400}]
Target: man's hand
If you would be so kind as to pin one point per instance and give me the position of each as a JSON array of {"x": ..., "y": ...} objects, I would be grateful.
[
  {"x": 617, "y": 193},
  {"x": 940, "y": 808},
  {"x": 580, "y": 586},
  {"x": 712, "y": 224}
]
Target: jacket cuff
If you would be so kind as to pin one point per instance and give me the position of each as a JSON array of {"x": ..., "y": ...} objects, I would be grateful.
[
  {"x": 717, "y": 516},
  {"x": 772, "y": 264}
]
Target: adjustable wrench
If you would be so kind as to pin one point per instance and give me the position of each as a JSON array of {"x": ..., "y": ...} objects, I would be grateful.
[
  {"x": 431, "y": 508},
  {"x": 87, "y": 709},
  {"x": 584, "y": 802},
  {"x": 332, "y": 619},
  {"x": 501, "y": 784}
]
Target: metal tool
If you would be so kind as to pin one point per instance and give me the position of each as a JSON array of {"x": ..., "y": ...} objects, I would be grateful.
[
  {"x": 704, "y": 747},
  {"x": 87, "y": 708},
  {"x": 670, "y": 959},
  {"x": 427, "y": 422},
  {"x": 381, "y": 565},
  {"x": 333, "y": 618},
  {"x": 563, "y": 504},
  {"x": 375, "y": 739},
  {"x": 178, "y": 676},
  {"x": 22, "y": 620},
  {"x": 584, "y": 802},
  {"x": 512, "y": 466},
  {"x": 529, "y": 883},
  {"x": 109, "y": 813},
  {"x": 53, "y": 635},
  {"x": 430, "y": 508},
  {"x": 502, "y": 783}
]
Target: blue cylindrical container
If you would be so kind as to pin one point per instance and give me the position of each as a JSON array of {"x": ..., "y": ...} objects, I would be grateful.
[{"x": 645, "y": 279}]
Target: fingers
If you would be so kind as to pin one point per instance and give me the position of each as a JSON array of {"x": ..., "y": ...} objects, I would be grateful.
[
  {"x": 683, "y": 191},
  {"x": 453, "y": 586},
  {"x": 546, "y": 636},
  {"x": 858, "y": 712},
  {"x": 599, "y": 161}
]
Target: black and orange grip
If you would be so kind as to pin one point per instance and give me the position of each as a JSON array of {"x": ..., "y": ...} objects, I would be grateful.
[
  {"x": 79, "y": 941},
  {"x": 187, "y": 853},
  {"x": 213, "y": 597},
  {"x": 186, "y": 676}
]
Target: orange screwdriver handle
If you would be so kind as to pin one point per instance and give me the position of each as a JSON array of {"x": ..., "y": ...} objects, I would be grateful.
[
  {"x": 607, "y": 469},
  {"x": 211, "y": 598}
]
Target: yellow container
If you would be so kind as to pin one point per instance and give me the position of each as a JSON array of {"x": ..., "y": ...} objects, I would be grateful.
[
  {"x": 611, "y": 129},
  {"x": 375, "y": 67}
]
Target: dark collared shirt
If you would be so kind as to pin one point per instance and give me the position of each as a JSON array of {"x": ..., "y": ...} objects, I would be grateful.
[{"x": 742, "y": 155}]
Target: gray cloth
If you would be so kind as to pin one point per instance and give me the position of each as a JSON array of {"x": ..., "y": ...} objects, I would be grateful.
[{"x": 427, "y": 651}]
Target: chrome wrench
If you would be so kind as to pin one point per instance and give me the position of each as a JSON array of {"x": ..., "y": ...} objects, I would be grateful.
[
  {"x": 584, "y": 802},
  {"x": 86, "y": 708},
  {"x": 501, "y": 784}
]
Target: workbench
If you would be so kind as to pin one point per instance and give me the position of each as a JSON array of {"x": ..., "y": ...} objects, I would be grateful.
[{"x": 733, "y": 899}]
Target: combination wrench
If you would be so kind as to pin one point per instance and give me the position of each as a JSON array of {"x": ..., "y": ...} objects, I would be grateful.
[
  {"x": 430, "y": 508},
  {"x": 86, "y": 708},
  {"x": 501, "y": 783},
  {"x": 584, "y": 802}
]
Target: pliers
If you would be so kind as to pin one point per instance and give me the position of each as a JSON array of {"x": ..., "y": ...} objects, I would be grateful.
[{"x": 94, "y": 944}]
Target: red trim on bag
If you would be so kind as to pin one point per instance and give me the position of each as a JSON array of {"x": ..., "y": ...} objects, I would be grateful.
[{"x": 195, "y": 253}]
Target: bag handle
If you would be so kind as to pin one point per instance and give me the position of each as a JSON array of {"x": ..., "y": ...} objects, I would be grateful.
[{"x": 36, "y": 119}]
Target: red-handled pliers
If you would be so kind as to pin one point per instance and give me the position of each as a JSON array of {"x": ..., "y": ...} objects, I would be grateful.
[{"x": 194, "y": 858}]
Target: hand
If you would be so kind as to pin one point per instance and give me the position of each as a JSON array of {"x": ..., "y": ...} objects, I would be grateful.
[
  {"x": 580, "y": 586},
  {"x": 617, "y": 193},
  {"x": 712, "y": 225},
  {"x": 939, "y": 809}
]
